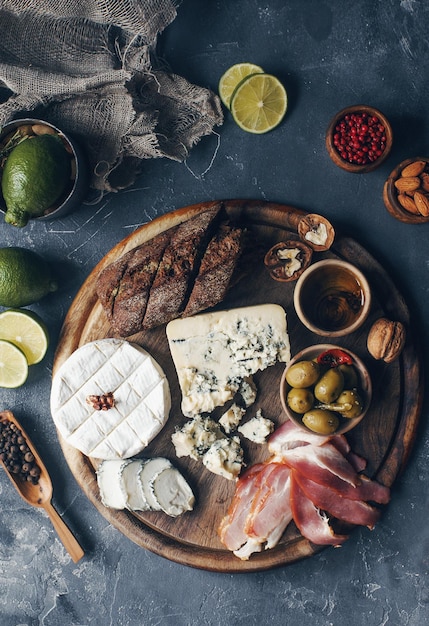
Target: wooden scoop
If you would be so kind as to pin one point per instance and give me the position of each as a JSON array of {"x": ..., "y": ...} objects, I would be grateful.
[{"x": 40, "y": 495}]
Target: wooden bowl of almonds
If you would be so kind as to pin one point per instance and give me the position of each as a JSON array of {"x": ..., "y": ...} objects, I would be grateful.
[{"x": 406, "y": 191}]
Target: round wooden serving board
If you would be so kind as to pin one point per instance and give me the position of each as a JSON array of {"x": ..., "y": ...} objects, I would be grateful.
[{"x": 385, "y": 436}]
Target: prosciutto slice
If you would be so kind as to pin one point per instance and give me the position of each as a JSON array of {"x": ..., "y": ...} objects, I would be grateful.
[
  {"x": 327, "y": 499},
  {"x": 232, "y": 527},
  {"x": 289, "y": 436},
  {"x": 312, "y": 523},
  {"x": 310, "y": 460}
]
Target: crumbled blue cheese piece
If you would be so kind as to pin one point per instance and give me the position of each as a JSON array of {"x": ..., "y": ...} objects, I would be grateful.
[
  {"x": 248, "y": 391},
  {"x": 214, "y": 352},
  {"x": 257, "y": 429},
  {"x": 231, "y": 418},
  {"x": 224, "y": 457},
  {"x": 202, "y": 439}
]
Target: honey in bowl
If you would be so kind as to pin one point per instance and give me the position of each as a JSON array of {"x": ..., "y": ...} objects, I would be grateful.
[{"x": 332, "y": 298}]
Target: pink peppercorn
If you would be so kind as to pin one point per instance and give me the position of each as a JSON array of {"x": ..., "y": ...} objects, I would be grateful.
[{"x": 359, "y": 138}]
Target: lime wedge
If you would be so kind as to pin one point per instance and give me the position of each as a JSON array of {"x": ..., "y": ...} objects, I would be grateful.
[
  {"x": 13, "y": 365},
  {"x": 27, "y": 331},
  {"x": 259, "y": 103},
  {"x": 232, "y": 77}
]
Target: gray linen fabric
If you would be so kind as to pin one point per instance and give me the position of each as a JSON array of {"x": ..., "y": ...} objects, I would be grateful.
[{"x": 90, "y": 67}]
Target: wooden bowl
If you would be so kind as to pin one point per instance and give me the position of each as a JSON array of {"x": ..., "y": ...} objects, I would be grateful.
[
  {"x": 390, "y": 194},
  {"x": 364, "y": 387},
  {"x": 333, "y": 152},
  {"x": 332, "y": 298}
]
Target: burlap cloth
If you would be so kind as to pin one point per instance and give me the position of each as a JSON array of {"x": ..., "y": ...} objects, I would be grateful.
[{"x": 90, "y": 67}]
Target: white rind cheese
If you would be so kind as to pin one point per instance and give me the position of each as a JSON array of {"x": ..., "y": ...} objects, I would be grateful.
[
  {"x": 141, "y": 395},
  {"x": 214, "y": 352},
  {"x": 144, "y": 485}
]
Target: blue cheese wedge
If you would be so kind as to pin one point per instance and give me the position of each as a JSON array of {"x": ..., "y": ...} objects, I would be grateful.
[
  {"x": 138, "y": 407},
  {"x": 214, "y": 352},
  {"x": 257, "y": 429}
]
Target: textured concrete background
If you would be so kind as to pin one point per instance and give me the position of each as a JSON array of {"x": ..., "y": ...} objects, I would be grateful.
[{"x": 329, "y": 54}]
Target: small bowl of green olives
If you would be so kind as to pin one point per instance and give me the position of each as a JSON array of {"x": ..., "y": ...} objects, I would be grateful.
[{"x": 326, "y": 389}]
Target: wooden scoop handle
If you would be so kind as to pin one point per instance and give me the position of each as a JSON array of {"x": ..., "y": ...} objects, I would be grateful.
[{"x": 68, "y": 540}]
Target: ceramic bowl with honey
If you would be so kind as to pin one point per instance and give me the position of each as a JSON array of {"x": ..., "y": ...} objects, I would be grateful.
[{"x": 332, "y": 298}]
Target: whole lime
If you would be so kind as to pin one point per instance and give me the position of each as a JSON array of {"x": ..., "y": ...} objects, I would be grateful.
[
  {"x": 25, "y": 277},
  {"x": 35, "y": 175}
]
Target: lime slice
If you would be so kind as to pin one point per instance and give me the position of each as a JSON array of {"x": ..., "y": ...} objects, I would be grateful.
[
  {"x": 259, "y": 103},
  {"x": 27, "y": 331},
  {"x": 232, "y": 77},
  {"x": 13, "y": 365}
]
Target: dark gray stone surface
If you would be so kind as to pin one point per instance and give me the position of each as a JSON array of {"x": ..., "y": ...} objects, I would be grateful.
[{"x": 329, "y": 54}]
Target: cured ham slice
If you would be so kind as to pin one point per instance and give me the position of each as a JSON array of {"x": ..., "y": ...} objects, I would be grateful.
[
  {"x": 288, "y": 436},
  {"x": 310, "y": 460},
  {"x": 232, "y": 527},
  {"x": 271, "y": 511},
  {"x": 312, "y": 523},
  {"x": 351, "y": 511},
  {"x": 260, "y": 510}
]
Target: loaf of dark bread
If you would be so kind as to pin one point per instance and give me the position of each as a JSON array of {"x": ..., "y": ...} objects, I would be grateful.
[{"x": 179, "y": 272}]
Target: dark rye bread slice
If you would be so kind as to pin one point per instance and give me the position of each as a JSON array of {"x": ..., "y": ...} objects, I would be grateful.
[
  {"x": 179, "y": 267},
  {"x": 216, "y": 270},
  {"x": 123, "y": 286}
]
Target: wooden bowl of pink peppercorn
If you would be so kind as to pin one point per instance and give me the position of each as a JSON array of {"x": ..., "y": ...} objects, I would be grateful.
[{"x": 359, "y": 138}]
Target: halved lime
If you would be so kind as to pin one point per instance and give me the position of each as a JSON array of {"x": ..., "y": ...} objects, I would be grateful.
[
  {"x": 13, "y": 365},
  {"x": 27, "y": 331},
  {"x": 259, "y": 103},
  {"x": 232, "y": 77}
]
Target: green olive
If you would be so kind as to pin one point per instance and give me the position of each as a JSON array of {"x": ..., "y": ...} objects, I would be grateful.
[
  {"x": 321, "y": 421},
  {"x": 350, "y": 397},
  {"x": 302, "y": 374},
  {"x": 300, "y": 400},
  {"x": 351, "y": 380},
  {"x": 329, "y": 386}
]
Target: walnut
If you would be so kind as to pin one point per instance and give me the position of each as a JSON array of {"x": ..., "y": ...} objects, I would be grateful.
[
  {"x": 101, "y": 403},
  {"x": 316, "y": 231},
  {"x": 287, "y": 260},
  {"x": 386, "y": 339}
]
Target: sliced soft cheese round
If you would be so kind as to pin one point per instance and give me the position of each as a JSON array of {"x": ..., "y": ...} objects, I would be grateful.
[
  {"x": 151, "y": 470},
  {"x": 136, "y": 500},
  {"x": 109, "y": 478},
  {"x": 140, "y": 391},
  {"x": 172, "y": 492}
]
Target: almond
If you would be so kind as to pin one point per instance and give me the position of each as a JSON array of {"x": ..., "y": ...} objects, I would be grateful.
[
  {"x": 407, "y": 183},
  {"x": 425, "y": 181},
  {"x": 408, "y": 203},
  {"x": 414, "y": 169},
  {"x": 422, "y": 203}
]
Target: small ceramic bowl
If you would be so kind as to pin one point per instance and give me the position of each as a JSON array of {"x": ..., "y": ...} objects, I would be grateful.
[
  {"x": 77, "y": 190},
  {"x": 332, "y": 298},
  {"x": 363, "y": 388},
  {"x": 409, "y": 177},
  {"x": 351, "y": 163}
]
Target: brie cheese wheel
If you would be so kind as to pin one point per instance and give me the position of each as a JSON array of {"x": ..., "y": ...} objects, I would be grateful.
[
  {"x": 214, "y": 352},
  {"x": 140, "y": 391}
]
